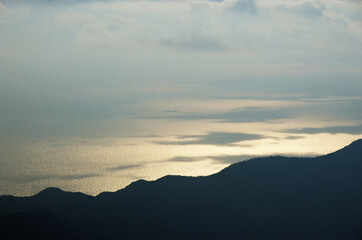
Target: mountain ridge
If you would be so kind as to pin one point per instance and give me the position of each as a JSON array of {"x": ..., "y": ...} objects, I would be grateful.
[
  {"x": 262, "y": 198},
  {"x": 357, "y": 144}
]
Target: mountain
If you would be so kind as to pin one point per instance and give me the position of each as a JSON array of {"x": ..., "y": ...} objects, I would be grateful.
[
  {"x": 262, "y": 198},
  {"x": 50, "y": 198}
]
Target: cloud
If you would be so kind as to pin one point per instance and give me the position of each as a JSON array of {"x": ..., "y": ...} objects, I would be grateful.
[
  {"x": 52, "y": 2},
  {"x": 186, "y": 159},
  {"x": 69, "y": 177},
  {"x": 294, "y": 137},
  {"x": 85, "y": 75},
  {"x": 356, "y": 129},
  {"x": 212, "y": 138},
  {"x": 123, "y": 167},
  {"x": 244, "y": 6},
  {"x": 305, "y": 9},
  {"x": 76, "y": 176},
  {"x": 230, "y": 159},
  {"x": 197, "y": 42},
  {"x": 248, "y": 114}
]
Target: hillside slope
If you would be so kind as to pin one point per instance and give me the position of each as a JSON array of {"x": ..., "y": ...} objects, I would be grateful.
[{"x": 263, "y": 198}]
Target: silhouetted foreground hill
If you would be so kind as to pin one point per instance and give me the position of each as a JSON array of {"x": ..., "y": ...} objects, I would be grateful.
[{"x": 263, "y": 198}]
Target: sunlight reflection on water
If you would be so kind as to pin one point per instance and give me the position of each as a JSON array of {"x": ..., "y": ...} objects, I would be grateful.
[{"x": 95, "y": 165}]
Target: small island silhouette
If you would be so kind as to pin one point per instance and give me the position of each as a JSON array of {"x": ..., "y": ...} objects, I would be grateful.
[{"x": 262, "y": 198}]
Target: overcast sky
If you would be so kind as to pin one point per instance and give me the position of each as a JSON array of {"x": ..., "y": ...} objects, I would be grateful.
[
  {"x": 186, "y": 73},
  {"x": 67, "y": 64}
]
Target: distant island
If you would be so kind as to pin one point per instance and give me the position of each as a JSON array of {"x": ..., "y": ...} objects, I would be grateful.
[{"x": 262, "y": 198}]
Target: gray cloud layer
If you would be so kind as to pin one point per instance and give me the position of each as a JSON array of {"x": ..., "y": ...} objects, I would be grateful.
[
  {"x": 213, "y": 138},
  {"x": 219, "y": 159},
  {"x": 244, "y": 6},
  {"x": 306, "y": 9},
  {"x": 70, "y": 177},
  {"x": 52, "y": 2},
  {"x": 357, "y": 129},
  {"x": 194, "y": 42},
  {"x": 249, "y": 114},
  {"x": 123, "y": 167},
  {"x": 83, "y": 68}
]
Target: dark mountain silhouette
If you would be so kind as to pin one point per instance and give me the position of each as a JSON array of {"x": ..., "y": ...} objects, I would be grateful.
[
  {"x": 50, "y": 198},
  {"x": 263, "y": 198}
]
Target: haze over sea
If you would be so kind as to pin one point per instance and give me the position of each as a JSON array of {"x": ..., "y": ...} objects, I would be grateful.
[{"x": 97, "y": 94}]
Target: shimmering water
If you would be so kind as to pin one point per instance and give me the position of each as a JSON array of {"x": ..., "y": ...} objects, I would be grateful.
[{"x": 93, "y": 165}]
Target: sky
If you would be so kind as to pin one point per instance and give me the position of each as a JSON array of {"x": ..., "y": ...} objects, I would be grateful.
[{"x": 97, "y": 94}]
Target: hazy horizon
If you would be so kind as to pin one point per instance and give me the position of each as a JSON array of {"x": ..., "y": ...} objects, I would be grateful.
[{"x": 97, "y": 94}]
